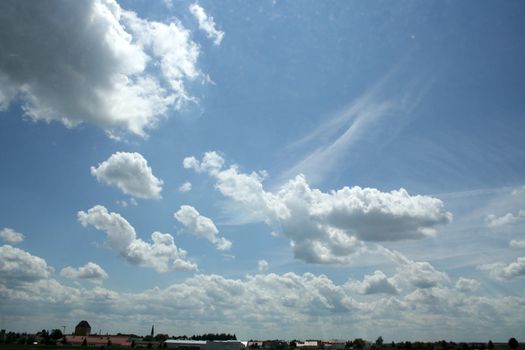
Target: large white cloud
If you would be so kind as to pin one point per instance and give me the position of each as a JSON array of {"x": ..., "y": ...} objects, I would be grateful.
[
  {"x": 129, "y": 172},
  {"x": 91, "y": 272},
  {"x": 201, "y": 226},
  {"x": 11, "y": 236},
  {"x": 17, "y": 265},
  {"x": 92, "y": 61},
  {"x": 162, "y": 254},
  {"x": 206, "y": 23},
  {"x": 326, "y": 227}
]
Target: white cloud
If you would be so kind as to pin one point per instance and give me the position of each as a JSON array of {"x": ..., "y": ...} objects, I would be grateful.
[
  {"x": 211, "y": 163},
  {"x": 372, "y": 117},
  {"x": 467, "y": 284},
  {"x": 162, "y": 254},
  {"x": 91, "y": 272},
  {"x": 207, "y": 24},
  {"x": 201, "y": 226},
  {"x": 284, "y": 305},
  {"x": 262, "y": 265},
  {"x": 17, "y": 266},
  {"x": 376, "y": 283},
  {"x": 185, "y": 187},
  {"x": 505, "y": 271},
  {"x": 420, "y": 274},
  {"x": 122, "y": 203},
  {"x": 130, "y": 173},
  {"x": 11, "y": 236},
  {"x": 507, "y": 219},
  {"x": 518, "y": 191},
  {"x": 520, "y": 244},
  {"x": 94, "y": 62},
  {"x": 326, "y": 227}
]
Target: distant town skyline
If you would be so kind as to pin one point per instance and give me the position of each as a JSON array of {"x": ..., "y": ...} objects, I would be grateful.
[{"x": 283, "y": 169}]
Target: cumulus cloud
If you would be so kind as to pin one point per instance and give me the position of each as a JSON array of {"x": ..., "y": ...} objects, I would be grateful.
[
  {"x": 520, "y": 244},
  {"x": 467, "y": 284},
  {"x": 129, "y": 172},
  {"x": 376, "y": 283},
  {"x": 283, "y": 304},
  {"x": 91, "y": 272},
  {"x": 505, "y": 271},
  {"x": 263, "y": 265},
  {"x": 211, "y": 163},
  {"x": 162, "y": 254},
  {"x": 95, "y": 62},
  {"x": 326, "y": 227},
  {"x": 507, "y": 219},
  {"x": 10, "y": 236},
  {"x": 185, "y": 187},
  {"x": 17, "y": 265},
  {"x": 422, "y": 274},
  {"x": 201, "y": 226},
  {"x": 207, "y": 24}
]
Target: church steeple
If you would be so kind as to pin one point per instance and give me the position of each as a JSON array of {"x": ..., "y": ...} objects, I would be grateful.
[{"x": 152, "y": 331}]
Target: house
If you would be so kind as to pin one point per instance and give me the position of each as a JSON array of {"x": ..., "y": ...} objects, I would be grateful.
[{"x": 83, "y": 328}]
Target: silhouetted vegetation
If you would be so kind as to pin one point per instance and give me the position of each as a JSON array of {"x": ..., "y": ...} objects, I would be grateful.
[{"x": 214, "y": 336}]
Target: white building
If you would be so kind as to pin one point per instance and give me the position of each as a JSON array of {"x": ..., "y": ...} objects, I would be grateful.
[{"x": 204, "y": 344}]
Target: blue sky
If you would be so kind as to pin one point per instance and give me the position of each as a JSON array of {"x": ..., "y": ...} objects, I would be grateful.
[{"x": 273, "y": 169}]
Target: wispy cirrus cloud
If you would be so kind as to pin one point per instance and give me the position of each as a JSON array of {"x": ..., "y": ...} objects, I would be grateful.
[{"x": 364, "y": 118}]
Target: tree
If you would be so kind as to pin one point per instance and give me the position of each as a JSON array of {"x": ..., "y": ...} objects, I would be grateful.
[
  {"x": 358, "y": 343},
  {"x": 379, "y": 341},
  {"x": 56, "y": 334},
  {"x": 513, "y": 343}
]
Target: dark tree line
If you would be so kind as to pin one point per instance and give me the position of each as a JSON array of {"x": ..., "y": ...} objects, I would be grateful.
[{"x": 214, "y": 336}]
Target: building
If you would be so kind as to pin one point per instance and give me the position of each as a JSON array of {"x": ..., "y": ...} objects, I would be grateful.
[
  {"x": 83, "y": 328},
  {"x": 186, "y": 344},
  {"x": 309, "y": 344},
  {"x": 204, "y": 344},
  {"x": 275, "y": 344},
  {"x": 97, "y": 340}
]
